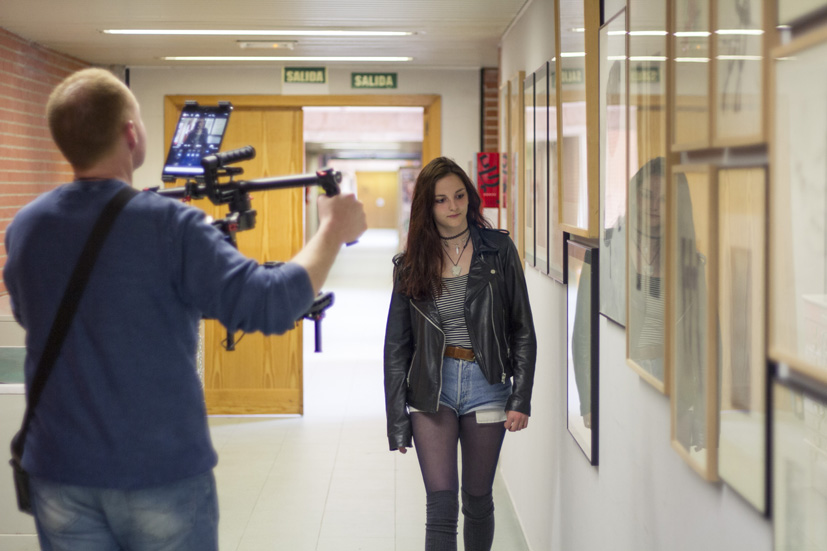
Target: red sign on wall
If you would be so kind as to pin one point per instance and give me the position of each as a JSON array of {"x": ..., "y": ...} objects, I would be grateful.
[{"x": 488, "y": 179}]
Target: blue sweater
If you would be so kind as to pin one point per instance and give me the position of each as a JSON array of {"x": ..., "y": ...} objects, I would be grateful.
[{"x": 123, "y": 407}]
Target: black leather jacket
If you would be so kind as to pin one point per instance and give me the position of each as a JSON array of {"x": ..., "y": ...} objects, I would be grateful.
[{"x": 498, "y": 316}]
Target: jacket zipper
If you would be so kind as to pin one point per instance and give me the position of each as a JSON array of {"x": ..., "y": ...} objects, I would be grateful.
[
  {"x": 493, "y": 326},
  {"x": 421, "y": 313}
]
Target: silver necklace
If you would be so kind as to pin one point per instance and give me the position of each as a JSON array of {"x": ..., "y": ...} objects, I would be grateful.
[{"x": 456, "y": 269}]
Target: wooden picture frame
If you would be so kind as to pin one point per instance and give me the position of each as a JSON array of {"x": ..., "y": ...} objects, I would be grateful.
[
  {"x": 516, "y": 158},
  {"x": 799, "y": 464},
  {"x": 542, "y": 97},
  {"x": 614, "y": 175},
  {"x": 556, "y": 236},
  {"x": 798, "y": 207},
  {"x": 741, "y": 315},
  {"x": 530, "y": 190},
  {"x": 582, "y": 404},
  {"x": 578, "y": 111},
  {"x": 740, "y": 63},
  {"x": 691, "y": 314},
  {"x": 649, "y": 169},
  {"x": 690, "y": 64},
  {"x": 503, "y": 146}
]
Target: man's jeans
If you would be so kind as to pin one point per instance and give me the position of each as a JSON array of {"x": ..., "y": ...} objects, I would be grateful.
[{"x": 182, "y": 516}]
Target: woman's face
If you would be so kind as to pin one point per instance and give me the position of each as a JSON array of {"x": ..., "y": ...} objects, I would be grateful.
[
  {"x": 450, "y": 205},
  {"x": 651, "y": 202}
]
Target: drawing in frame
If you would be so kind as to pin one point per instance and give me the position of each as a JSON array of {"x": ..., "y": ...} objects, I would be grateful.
[
  {"x": 582, "y": 359},
  {"x": 690, "y": 75},
  {"x": 647, "y": 192},
  {"x": 529, "y": 187},
  {"x": 691, "y": 313},
  {"x": 739, "y": 71},
  {"x": 503, "y": 147},
  {"x": 741, "y": 314},
  {"x": 613, "y": 170},
  {"x": 578, "y": 89},
  {"x": 556, "y": 236},
  {"x": 798, "y": 206},
  {"x": 799, "y": 463},
  {"x": 542, "y": 165},
  {"x": 515, "y": 158},
  {"x": 799, "y": 11}
]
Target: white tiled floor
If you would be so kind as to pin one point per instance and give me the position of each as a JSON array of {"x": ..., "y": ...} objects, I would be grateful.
[{"x": 326, "y": 481}]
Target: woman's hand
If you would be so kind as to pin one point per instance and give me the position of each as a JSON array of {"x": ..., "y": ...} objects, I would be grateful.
[
  {"x": 516, "y": 421},
  {"x": 403, "y": 449}
]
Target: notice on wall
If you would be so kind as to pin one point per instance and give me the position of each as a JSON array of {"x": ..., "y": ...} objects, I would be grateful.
[
  {"x": 304, "y": 80},
  {"x": 488, "y": 179},
  {"x": 373, "y": 80}
]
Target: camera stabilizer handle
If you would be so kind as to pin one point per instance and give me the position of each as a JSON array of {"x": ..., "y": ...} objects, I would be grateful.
[{"x": 241, "y": 215}]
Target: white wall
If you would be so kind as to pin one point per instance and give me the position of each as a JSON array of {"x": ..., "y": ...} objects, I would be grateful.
[
  {"x": 459, "y": 88},
  {"x": 642, "y": 496}
]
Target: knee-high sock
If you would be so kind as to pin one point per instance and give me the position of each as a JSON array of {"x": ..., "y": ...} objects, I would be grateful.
[
  {"x": 442, "y": 513},
  {"x": 478, "y": 530}
]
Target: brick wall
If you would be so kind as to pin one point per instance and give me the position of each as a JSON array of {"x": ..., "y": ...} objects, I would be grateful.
[
  {"x": 490, "y": 110},
  {"x": 30, "y": 164}
]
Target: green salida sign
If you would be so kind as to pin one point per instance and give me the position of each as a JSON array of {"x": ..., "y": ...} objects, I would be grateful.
[
  {"x": 305, "y": 75},
  {"x": 373, "y": 80}
]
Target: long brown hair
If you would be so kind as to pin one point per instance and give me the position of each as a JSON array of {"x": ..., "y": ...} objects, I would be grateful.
[{"x": 421, "y": 265}]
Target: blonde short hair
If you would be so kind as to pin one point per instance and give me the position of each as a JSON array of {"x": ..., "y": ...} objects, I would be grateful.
[{"x": 86, "y": 112}]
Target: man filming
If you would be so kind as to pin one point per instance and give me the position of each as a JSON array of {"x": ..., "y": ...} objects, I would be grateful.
[{"x": 118, "y": 448}]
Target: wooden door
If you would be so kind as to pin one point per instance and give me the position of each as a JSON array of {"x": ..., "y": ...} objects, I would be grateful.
[
  {"x": 379, "y": 192},
  {"x": 263, "y": 374}
]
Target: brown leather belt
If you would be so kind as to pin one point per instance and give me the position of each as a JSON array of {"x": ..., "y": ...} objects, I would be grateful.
[{"x": 459, "y": 353}]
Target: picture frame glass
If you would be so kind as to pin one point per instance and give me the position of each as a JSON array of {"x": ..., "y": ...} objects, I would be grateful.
[
  {"x": 613, "y": 173},
  {"x": 797, "y": 11},
  {"x": 798, "y": 221},
  {"x": 529, "y": 167},
  {"x": 574, "y": 181},
  {"x": 647, "y": 150},
  {"x": 742, "y": 204},
  {"x": 739, "y": 67},
  {"x": 504, "y": 147},
  {"x": 799, "y": 464},
  {"x": 557, "y": 244},
  {"x": 691, "y": 73},
  {"x": 515, "y": 167},
  {"x": 692, "y": 269},
  {"x": 581, "y": 362},
  {"x": 541, "y": 167}
]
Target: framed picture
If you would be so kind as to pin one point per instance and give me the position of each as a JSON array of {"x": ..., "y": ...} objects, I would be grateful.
[
  {"x": 798, "y": 207},
  {"x": 578, "y": 83},
  {"x": 799, "y": 466},
  {"x": 691, "y": 314},
  {"x": 503, "y": 146},
  {"x": 794, "y": 13},
  {"x": 739, "y": 72},
  {"x": 556, "y": 236},
  {"x": 541, "y": 167},
  {"x": 647, "y": 191},
  {"x": 613, "y": 170},
  {"x": 529, "y": 171},
  {"x": 583, "y": 345},
  {"x": 516, "y": 156},
  {"x": 742, "y": 363},
  {"x": 690, "y": 74}
]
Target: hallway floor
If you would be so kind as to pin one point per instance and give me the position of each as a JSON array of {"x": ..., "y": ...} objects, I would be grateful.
[{"x": 326, "y": 481}]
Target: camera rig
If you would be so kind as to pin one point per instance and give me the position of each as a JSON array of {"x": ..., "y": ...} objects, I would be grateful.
[{"x": 218, "y": 184}]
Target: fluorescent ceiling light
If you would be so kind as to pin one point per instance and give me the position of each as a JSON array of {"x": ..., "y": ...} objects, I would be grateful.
[
  {"x": 740, "y": 58},
  {"x": 617, "y": 33},
  {"x": 249, "y": 32},
  {"x": 692, "y": 59},
  {"x": 573, "y": 54},
  {"x": 748, "y": 32},
  {"x": 648, "y": 33},
  {"x": 284, "y": 58},
  {"x": 692, "y": 34},
  {"x": 647, "y": 58}
]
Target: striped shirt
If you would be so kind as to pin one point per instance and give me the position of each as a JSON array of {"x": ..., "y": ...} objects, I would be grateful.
[
  {"x": 451, "y": 306},
  {"x": 651, "y": 334}
]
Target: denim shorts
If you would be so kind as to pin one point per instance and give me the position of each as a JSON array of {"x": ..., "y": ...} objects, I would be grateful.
[{"x": 466, "y": 390}]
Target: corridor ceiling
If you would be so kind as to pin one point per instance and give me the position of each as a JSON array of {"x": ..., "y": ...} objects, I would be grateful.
[{"x": 449, "y": 33}]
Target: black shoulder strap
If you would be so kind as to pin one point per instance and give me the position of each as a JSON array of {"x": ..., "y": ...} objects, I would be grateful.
[{"x": 69, "y": 305}]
